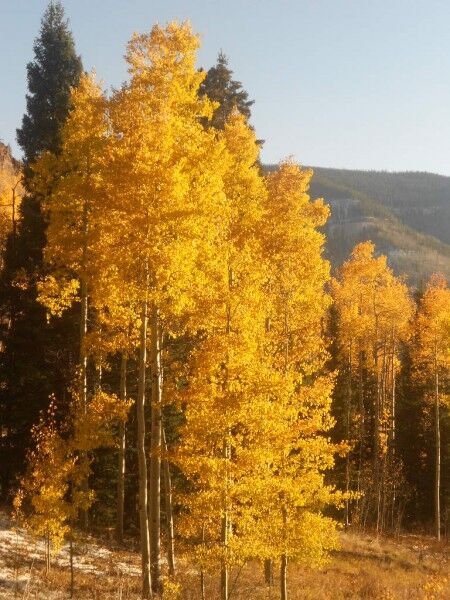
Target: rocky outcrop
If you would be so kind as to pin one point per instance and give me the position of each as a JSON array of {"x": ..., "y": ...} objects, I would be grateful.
[{"x": 9, "y": 169}]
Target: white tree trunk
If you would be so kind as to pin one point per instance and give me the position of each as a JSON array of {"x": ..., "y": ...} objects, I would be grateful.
[
  {"x": 142, "y": 460},
  {"x": 155, "y": 458},
  {"x": 169, "y": 509},
  {"x": 437, "y": 427},
  {"x": 121, "y": 456}
]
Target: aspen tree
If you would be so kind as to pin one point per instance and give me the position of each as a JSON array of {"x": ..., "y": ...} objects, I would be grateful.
[
  {"x": 121, "y": 454},
  {"x": 71, "y": 206},
  {"x": 165, "y": 177},
  {"x": 52, "y": 494},
  {"x": 75, "y": 253},
  {"x": 432, "y": 357},
  {"x": 226, "y": 401},
  {"x": 168, "y": 508},
  {"x": 374, "y": 312},
  {"x": 42, "y": 504},
  {"x": 295, "y": 345}
]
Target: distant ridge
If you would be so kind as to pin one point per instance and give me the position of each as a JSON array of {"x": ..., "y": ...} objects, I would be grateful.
[{"x": 406, "y": 214}]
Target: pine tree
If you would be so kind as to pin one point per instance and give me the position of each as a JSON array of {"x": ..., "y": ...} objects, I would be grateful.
[
  {"x": 29, "y": 377},
  {"x": 54, "y": 71},
  {"x": 220, "y": 87}
]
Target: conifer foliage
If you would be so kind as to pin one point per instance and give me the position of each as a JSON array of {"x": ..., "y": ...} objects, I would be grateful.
[
  {"x": 29, "y": 377},
  {"x": 55, "y": 69},
  {"x": 219, "y": 86}
]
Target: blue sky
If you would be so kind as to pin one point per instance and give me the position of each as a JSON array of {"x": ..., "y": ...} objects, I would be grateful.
[{"x": 341, "y": 83}]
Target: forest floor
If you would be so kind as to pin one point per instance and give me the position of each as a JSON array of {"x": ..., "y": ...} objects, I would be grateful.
[{"x": 407, "y": 567}]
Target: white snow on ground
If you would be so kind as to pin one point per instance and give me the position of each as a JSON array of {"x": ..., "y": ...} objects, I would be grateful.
[{"x": 21, "y": 555}]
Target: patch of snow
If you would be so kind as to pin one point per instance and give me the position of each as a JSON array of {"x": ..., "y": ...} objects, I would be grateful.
[{"x": 20, "y": 554}]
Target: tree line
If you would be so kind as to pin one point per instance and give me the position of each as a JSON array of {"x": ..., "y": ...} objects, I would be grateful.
[{"x": 177, "y": 359}]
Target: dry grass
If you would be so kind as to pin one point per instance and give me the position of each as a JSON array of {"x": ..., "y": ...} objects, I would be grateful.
[{"x": 405, "y": 568}]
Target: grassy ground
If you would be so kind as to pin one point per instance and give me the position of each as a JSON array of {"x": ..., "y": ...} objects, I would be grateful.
[{"x": 408, "y": 567}]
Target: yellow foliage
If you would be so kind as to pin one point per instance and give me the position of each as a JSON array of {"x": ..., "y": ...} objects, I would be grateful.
[
  {"x": 42, "y": 504},
  {"x": 433, "y": 588},
  {"x": 57, "y": 294},
  {"x": 171, "y": 589},
  {"x": 51, "y": 496},
  {"x": 93, "y": 425},
  {"x": 295, "y": 349},
  {"x": 433, "y": 328}
]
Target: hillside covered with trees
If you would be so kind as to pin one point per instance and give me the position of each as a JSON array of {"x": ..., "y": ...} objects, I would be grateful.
[
  {"x": 181, "y": 366},
  {"x": 405, "y": 214}
]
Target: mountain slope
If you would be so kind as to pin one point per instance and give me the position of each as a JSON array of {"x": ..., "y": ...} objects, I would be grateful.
[{"x": 407, "y": 216}]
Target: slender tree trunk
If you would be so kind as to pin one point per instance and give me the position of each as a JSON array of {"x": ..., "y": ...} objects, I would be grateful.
[
  {"x": 169, "y": 509},
  {"x": 155, "y": 457},
  {"x": 268, "y": 572},
  {"x": 393, "y": 399},
  {"x": 202, "y": 585},
  {"x": 226, "y": 525},
  {"x": 393, "y": 430},
  {"x": 142, "y": 460},
  {"x": 437, "y": 427},
  {"x": 268, "y": 563},
  {"x": 283, "y": 577},
  {"x": 284, "y": 556},
  {"x": 98, "y": 382},
  {"x": 84, "y": 389},
  {"x": 72, "y": 579},
  {"x": 47, "y": 553},
  {"x": 347, "y": 434},
  {"x": 202, "y": 573},
  {"x": 376, "y": 427},
  {"x": 361, "y": 419},
  {"x": 381, "y": 495},
  {"x": 224, "y": 573},
  {"x": 121, "y": 456},
  {"x": 376, "y": 438}
]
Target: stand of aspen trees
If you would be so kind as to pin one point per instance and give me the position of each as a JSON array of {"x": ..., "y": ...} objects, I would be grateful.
[{"x": 207, "y": 277}]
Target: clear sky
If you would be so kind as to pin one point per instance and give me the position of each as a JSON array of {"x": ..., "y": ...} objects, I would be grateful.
[{"x": 359, "y": 84}]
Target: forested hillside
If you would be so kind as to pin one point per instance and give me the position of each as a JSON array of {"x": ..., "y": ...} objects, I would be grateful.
[
  {"x": 407, "y": 215},
  {"x": 420, "y": 200}
]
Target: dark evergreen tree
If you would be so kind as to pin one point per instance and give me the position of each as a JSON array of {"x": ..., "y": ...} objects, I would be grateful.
[
  {"x": 38, "y": 357},
  {"x": 415, "y": 444},
  {"x": 55, "y": 69},
  {"x": 220, "y": 86}
]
